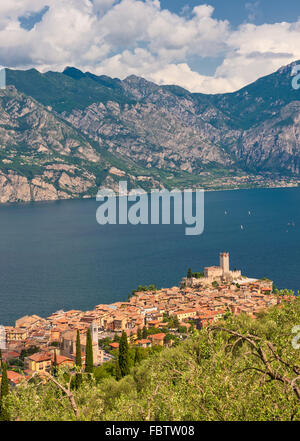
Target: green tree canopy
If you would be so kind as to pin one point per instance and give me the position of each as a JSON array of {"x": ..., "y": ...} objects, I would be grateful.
[
  {"x": 139, "y": 334},
  {"x": 89, "y": 361},
  {"x": 4, "y": 391},
  {"x": 138, "y": 356},
  {"x": 124, "y": 355},
  {"x": 239, "y": 369},
  {"x": 118, "y": 373},
  {"x": 144, "y": 332}
]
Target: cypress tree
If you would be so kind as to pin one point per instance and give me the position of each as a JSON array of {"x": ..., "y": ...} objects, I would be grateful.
[
  {"x": 0, "y": 356},
  {"x": 78, "y": 362},
  {"x": 139, "y": 334},
  {"x": 192, "y": 328},
  {"x": 89, "y": 363},
  {"x": 189, "y": 273},
  {"x": 137, "y": 356},
  {"x": 118, "y": 370},
  {"x": 175, "y": 321},
  {"x": 4, "y": 392},
  {"x": 54, "y": 369},
  {"x": 124, "y": 355},
  {"x": 144, "y": 333}
]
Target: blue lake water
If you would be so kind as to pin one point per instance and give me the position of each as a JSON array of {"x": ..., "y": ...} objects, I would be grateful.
[{"x": 54, "y": 255}]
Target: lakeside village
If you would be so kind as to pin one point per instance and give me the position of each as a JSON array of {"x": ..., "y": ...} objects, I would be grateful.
[{"x": 151, "y": 319}]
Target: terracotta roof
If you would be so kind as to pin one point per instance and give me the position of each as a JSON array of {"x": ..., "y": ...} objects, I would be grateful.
[
  {"x": 15, "y": 377},
  {"x": 60, "y": 359},
  {"x": 40, "y": 356},
  {"x": 10, "y": 354},
  {"x": 114, "y": 345},
  {"x": 159, "y": 336}
]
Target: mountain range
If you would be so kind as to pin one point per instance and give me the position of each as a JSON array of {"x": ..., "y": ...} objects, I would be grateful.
[{"x": 65, "y": 135}]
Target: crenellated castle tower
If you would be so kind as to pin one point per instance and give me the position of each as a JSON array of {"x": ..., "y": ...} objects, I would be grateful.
[{"x": 224, "y": 263}]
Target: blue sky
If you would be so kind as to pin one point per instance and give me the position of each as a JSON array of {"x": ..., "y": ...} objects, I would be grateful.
[
  {"x": 239, "y": 11},
  {"x": 211, "y": 47}
]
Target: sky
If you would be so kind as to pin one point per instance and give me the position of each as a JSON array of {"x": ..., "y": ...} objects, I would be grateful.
[{"x": 214, "y": 46}]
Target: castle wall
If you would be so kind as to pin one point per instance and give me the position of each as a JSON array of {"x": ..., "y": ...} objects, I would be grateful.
[{"x": 212, "y": 271}]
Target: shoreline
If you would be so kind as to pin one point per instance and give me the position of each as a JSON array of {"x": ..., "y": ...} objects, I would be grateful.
[{"x": 210, "y": 190}]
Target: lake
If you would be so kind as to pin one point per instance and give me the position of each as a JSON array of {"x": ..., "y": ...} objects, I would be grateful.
[{"x": 54, "y": 255}]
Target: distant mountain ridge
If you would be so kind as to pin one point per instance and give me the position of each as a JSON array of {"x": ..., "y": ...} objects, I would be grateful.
[{"x": 63, "y": 135}]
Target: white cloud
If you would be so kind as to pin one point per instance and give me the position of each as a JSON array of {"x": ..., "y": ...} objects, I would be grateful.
[
  {"x": 260, "y": 50},
  {"x": 181, "y": 74},
  {"x": 123, "y": 37}
]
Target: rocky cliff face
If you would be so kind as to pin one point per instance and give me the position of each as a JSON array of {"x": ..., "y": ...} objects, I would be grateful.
[
  {"x": 35, "y": 150},
  {"x": 43, "y": 157},
  {"x": 275, "y": 143},
  {"x": 64, "y": 135},
  {"x": 167, "y": 127},
  {"x": 163, "y": 135}
]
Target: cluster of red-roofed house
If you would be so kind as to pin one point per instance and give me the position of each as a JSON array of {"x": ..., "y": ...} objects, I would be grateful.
[{"x": 55, "y": 336}]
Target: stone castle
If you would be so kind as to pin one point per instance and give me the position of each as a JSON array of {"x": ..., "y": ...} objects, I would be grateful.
[{"x": 218, "y": 274}]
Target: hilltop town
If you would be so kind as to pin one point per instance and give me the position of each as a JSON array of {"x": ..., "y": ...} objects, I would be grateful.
[{"x": 150, "y": 317}]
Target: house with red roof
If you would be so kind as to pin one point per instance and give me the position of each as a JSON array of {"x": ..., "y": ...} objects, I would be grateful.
[
  {"x": 157, "y": 339},
  {"x": 143, "y": 343}
]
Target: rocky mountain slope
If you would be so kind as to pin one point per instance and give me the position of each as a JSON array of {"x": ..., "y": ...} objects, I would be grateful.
[
  {"x": 64, "y": 135},
  {"x": 36, "y": 148},
  {"x": 43, "y": 157}
]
